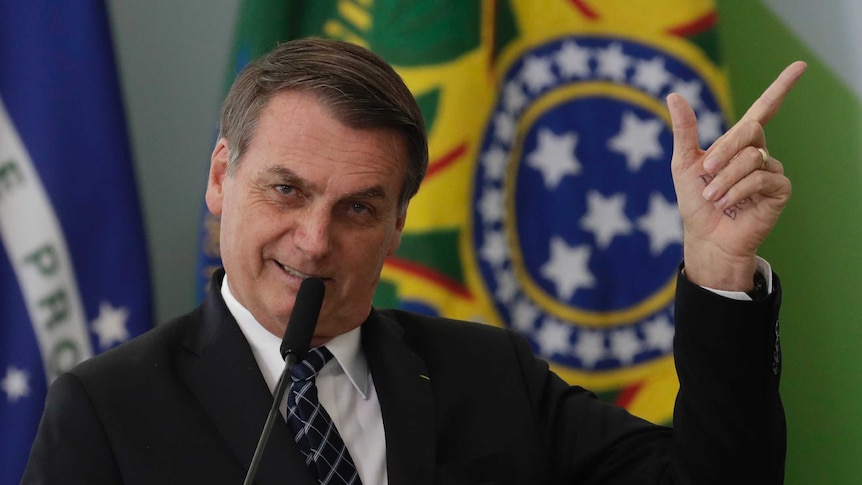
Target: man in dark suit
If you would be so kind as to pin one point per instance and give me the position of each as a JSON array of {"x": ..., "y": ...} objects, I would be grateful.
[{"x": 320, "y": 151}]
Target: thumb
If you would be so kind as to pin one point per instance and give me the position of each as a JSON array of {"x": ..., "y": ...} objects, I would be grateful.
[{"x": 684, "y": 123}]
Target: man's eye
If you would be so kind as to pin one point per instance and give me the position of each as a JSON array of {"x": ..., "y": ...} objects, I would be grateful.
[
  {"x": 285, "y": 189},
  {"x": 359, "y": 208}
]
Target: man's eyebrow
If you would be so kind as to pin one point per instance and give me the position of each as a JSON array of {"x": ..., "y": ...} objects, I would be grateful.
[
  {"x": 369, "y": 193},
  {"x": 282, "y": 172},
  {"x": 290, "y": 177}
]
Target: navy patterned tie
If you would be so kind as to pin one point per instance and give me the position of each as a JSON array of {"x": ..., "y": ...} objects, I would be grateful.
[{"x": 318, "y": 440}]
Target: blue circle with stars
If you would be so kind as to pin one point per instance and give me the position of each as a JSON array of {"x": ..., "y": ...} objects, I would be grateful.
[{"x": 575, "y": 224}]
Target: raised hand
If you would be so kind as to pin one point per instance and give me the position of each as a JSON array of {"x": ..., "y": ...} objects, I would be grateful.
[{"x": 731, "y": 194}]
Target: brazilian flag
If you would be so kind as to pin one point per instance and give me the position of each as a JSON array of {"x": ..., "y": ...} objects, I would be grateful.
[{"x": 548, "y": 206}]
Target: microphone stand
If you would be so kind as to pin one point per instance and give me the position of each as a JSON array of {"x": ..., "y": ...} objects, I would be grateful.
[
  {"x": 294, "y": 346},
  {"x": 280, "y": 388}
]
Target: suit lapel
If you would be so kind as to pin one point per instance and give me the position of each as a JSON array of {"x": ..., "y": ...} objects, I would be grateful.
[
  {"x": 406, "y": 402},
  {"x": 220, "y": 370}
]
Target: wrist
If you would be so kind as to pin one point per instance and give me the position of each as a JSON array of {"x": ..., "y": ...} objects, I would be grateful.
[{"x": 718, "y": 270}]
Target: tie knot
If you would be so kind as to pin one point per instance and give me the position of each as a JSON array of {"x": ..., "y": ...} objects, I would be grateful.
[{"x": 308, "y": 367}]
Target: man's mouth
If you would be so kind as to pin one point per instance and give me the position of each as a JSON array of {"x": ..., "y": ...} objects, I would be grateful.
[
  {"x": 292, "y": 271},
  {"x": 295, "y": 273}
]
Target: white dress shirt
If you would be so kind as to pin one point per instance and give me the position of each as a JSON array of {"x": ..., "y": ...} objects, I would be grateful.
[{"x": 344, "y": 387}]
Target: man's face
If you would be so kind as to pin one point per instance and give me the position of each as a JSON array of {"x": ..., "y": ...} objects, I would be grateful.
[{"x": 310, "y": 197}]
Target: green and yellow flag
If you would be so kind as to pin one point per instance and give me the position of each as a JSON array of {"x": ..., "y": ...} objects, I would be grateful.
[{"x": 548, "y": 206}]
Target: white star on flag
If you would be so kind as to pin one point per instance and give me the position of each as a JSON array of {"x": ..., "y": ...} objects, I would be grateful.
[
  {"x": 555, "y": 156},
  {"x": 651, "y": 75},
  {"x": 513, "y": 97},
  {"x": 708, "y": 127},
  {"x": 690, "y": 90},
  {"x": 661, "y": 223},
  {"x": 494, "y": 161},
  {"x": 573, "y": 60},
  {"x": 537, "y": 73},
  {"x": 495, "y": 249},
  {"x": 613, "y": 63},
  {"x": 590, "y": 347},
  {"x": 605, "y": 217},
  {"x": 624, "y": 345},
  {"x": 15, "y": 384},
  {"x": 553, "y": 337},
  {"x": 524, "y": 315},
  {"x": 637, "y": 140},
  {"x": 659, "y": 333},
  {"x": 567, "y": 268},
  {"x": 110, "y": 325},
  {"x": 508, "y": 287},
  {"x": 491, "y": 205},
  {"x": 505, "y": 126}
]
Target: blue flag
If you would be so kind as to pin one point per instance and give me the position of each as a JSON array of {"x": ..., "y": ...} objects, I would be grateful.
[{"x": 74, "y": 277}]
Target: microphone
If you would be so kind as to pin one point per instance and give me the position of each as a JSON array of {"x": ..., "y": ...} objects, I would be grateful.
[
  {"x": 294, "y": 346},
  {"x": 303, "y": 319}
]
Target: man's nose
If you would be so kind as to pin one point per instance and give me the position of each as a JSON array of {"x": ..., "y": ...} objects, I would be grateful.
[{"x": 313, "y": 233}]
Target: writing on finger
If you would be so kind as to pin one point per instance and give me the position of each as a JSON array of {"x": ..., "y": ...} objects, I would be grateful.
[{"x": 733, "y": 210}]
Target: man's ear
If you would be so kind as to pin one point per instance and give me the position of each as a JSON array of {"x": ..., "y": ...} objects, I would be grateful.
[{"x": 217, "y": 176}]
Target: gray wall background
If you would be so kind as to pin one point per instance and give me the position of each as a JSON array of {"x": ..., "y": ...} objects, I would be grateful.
[{"x": 172, "y": 57}]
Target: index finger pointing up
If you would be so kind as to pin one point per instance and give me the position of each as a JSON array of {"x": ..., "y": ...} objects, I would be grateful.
[{"x": 767, "y": 105}]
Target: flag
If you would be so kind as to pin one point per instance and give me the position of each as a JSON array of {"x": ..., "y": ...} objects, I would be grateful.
[
  {"x": 73, "y": 267},
  {"x": 815, "y": 245},
  {"x": 548, "y": 206}
]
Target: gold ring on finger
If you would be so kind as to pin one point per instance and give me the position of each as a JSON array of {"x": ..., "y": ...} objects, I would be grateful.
[{"x": 764, "y": 157}]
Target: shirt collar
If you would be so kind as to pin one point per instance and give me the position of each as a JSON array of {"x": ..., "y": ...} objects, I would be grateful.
[
  {"x": 266, "y": 347},
  {"x": 347, "y": 350}
]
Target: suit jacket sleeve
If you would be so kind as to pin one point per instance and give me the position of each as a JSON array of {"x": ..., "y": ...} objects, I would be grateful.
[{"x": 728, "y": 419}]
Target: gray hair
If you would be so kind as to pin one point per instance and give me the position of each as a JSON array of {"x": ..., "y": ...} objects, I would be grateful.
[{"x": 360, "y": 88}]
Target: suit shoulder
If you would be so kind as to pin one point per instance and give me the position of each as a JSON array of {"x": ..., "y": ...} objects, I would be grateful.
[{"x": 150, "y": 348}]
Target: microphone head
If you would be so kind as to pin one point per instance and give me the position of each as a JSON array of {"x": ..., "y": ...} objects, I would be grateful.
[{"x": 303, "y": 319}]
